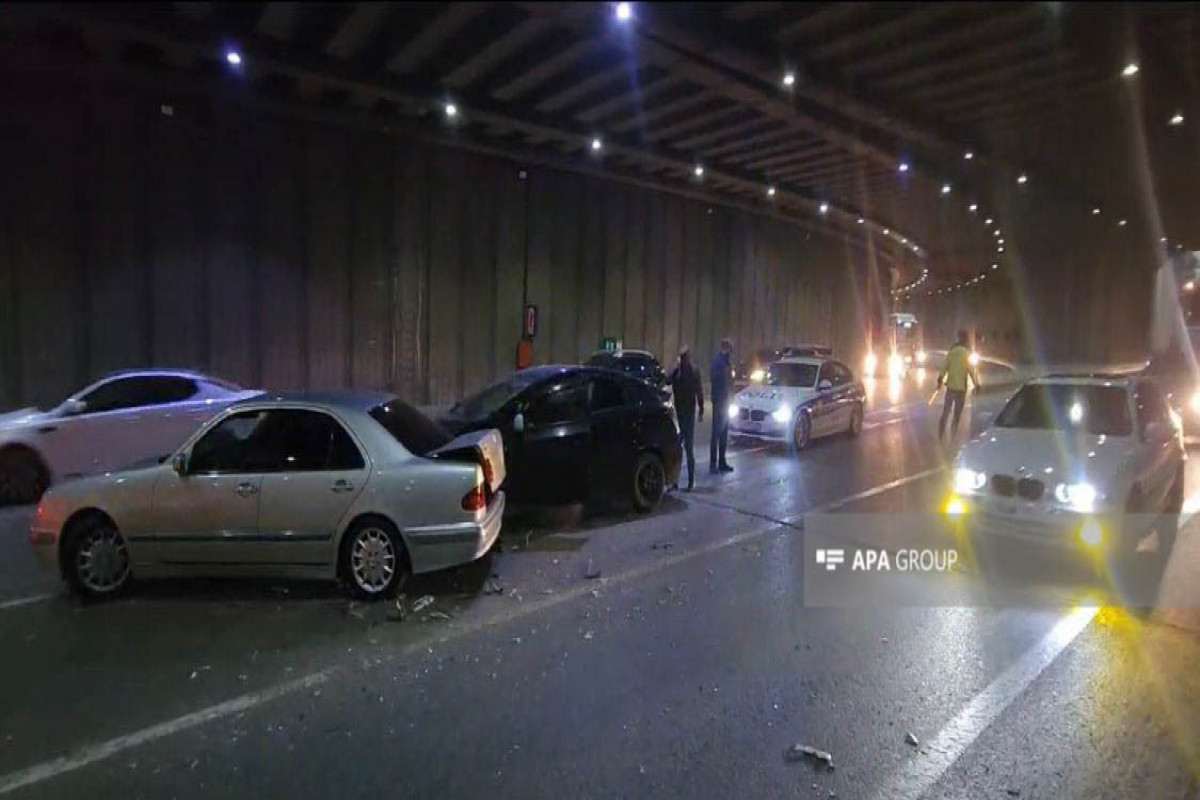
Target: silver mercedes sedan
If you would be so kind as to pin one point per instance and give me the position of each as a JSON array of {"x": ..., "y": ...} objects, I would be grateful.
[{"x": 358, "y": 487}]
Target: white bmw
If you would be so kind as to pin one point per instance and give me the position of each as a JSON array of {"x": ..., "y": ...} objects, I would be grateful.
[
  {"x": 801, "y": 399},
  {"x": 121, "y": 419},
  {"x": 1067, "y": 452}
]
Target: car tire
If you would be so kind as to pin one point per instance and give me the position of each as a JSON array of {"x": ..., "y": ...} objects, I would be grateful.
[
  {"x": 856, "y": 420},
  {"x": 801, "y": 432},
  {"x": 373, "y": 563},
  {"x": 649, "y": 481},
  {"x": 95, "y": 558},
  {"x": 23, "y": 476},
  {"x": 1168, "y": 523}
]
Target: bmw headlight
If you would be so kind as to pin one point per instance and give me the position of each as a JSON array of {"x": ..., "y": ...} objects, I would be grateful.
[
  {"x": 1076, "y": 496},
  {"x": 967, "y": 480},
  {"x": 782, "y": 414},
  {"x": 733, "y": 409},
  {"x": 757, "y": 376}
]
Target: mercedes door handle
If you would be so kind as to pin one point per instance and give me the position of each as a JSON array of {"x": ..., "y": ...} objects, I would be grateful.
[
  {"x": 246, "y": 489},
  {"x": 341, "y": 486}
]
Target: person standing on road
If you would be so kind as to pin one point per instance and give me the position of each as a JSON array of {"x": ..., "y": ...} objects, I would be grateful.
[
  {"x": 689, "y": 402},
  {"x": 954, "y": 375},
  {"x": 722, "y": 383}
]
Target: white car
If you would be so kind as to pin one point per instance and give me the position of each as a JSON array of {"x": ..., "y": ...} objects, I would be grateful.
[
  {"x": 1068, "y": 454},
  {"x": 121, "y": 419},
  {"x": 801, "y": 399},
  {"x": 361, "y": 487}
]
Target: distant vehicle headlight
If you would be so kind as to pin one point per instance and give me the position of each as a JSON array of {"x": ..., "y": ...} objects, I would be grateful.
[
  {"x": 1194, "y": 403},
  {"x": 733, "y": 409},
  {"x": 1077, "y": 496},
  {"x": 973, "y": 359},
  {"x": 782, "y": 414},
  {"x": 921, "y": 356},
  {"x": 968, "y": 480},
  {"x": 869, "y": 364},
  {"x": 895, "y": 364},
  {"x": 757, "y": 375}
]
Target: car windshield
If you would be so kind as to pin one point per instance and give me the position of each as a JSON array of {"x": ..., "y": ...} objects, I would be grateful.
[
  {"x": 488, "y": 401},
  {"x": 418, "y": 433},
  {"x": 1093, "y": 409},
  {"x": 784, "y": 374}
]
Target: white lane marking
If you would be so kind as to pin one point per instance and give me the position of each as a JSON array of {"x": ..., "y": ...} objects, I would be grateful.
[
  {"x": 873, "y": 425},
  {"x": 738, "y": 453},
  {"x": 874, "y": 490},
  {"x": 98, "y": 752},
  {"x": 916, "y": 777},
  {"x": 24, "y": 601}
]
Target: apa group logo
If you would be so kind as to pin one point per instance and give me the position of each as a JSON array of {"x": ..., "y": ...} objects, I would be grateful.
[{"x": 831, "y": 558}]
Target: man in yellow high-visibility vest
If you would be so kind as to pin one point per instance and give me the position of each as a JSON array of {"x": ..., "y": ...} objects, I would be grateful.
[{"x": 954, "y": 375}]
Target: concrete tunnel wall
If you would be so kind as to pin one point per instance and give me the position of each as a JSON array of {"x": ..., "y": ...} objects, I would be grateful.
[{"x": 293, "y": 254}]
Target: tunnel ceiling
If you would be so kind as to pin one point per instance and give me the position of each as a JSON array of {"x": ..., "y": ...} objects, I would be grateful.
[{"x": 882, "y": 122}]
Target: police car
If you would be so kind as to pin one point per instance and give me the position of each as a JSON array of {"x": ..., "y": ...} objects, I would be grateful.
[{"x": 801, "y": 399}]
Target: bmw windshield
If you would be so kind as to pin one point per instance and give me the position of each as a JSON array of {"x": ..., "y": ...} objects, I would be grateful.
[{"x": 1083, "y": 408}]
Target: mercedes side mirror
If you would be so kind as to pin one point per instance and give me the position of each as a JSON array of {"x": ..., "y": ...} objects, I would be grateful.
[
  {"x": 179, "y": 464},
  {"x": 518, "y": 423},
  {"x": 74, "y": 406},
  {"x": 824, "y": 385}
]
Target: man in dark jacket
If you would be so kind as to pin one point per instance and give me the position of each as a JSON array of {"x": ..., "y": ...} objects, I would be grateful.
[
  {"x": 722, "y": 388},
  {"x": 689, "y": 401}
]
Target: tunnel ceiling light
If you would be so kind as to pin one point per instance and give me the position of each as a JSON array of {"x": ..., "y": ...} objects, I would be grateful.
[
  {"x": 1122, "y": 222},
  {"x": 824, "y": 208},
  {"x": 233, "y": 57},
  {"x": 770, "y": 191},
  {"x": 973, "y": 207},
  {"x": 698, "y": 171},
  {"x": 1177, "y": 119},
  {"x": 967, "y": 156},
  {"x": 597, "y": 144},
  {"x": 987, "y": 221},
  {"x": 789, "y": 79},
  {"x": 1162, "y": 240},
  {"x": 1130, "y": 70},
  {"x": 624, "y": 12},
  {"x": 903, "y": 166},
  {"x": 1022, "y": 178},
  {"x": 945, "y": 188},
  {"x": 1096, "y": 211},
  {"x": 1000, "y": 249},
  {"x": 886, "y": 231},
  {"x": 451, "y": 110},
  {"x": 995, "y": 265},
  {"x": 903, "y": 240},
  {"x": 1000, "y": 240},
  {"x": 861, "y": 220}
]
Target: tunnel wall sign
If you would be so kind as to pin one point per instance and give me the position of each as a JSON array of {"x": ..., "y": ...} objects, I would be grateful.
[{"x": 529, "y": 322}]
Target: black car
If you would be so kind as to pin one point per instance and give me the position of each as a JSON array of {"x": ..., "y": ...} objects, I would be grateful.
[
  {"x": 640, "y": 364},
  {"x": 575, "y": 433}
]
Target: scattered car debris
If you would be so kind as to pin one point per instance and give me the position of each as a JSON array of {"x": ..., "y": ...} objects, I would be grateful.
[
  {"x": 589, "y": 635},
  {"x": 911, "y": 739},
  {"x": 442, "y": 615},
  {"x": 799, "y": 752},
  {"x": 398, "y": 612},
  {"x": 592, "y": 572},
  {"x": 492, "y": 586},
  {"x": 356, "y": 610},
  {"x": 421, "y": 604}
]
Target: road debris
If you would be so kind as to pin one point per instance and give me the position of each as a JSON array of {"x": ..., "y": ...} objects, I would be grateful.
[
  {"x": 799, "y": 752},
  {"x": 911, "y": 739},
  {"x": 421, "y": 604},
  {"x": 398, "y": 613},
  {"x": 442, "y": 615},
  {"x": 492, "y": 586},
  {"x": 592, "y": 572},
  {"x": 356, "y": 610},
  {"x": 589, "y": 635}
]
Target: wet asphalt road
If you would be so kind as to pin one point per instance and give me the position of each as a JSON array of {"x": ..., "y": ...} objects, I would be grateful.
[{"x": 684, "y": 670}]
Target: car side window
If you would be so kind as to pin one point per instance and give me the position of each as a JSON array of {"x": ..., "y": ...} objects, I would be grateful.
[
  {"x": 563, "y": 403},
  {"x": 225, "y": 448},
  {"x": 842, "y": 374},
  {"x": 1150, "y": 404},
  {"x": 172, "y": 389},
  {"x": 606, "y": 393},
  {"x": 826, "y": 374},
  {"x": 138, "y": 391}
]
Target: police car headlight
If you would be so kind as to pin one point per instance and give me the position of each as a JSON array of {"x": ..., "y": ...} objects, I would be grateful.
[
  {"x": 1076, "y": 496},
  {"x": 757, "y": 375},
  {"x": 782, "y": 414},
  {"x": 968, "y": 480},
  {"x": 733, "y": 409}
]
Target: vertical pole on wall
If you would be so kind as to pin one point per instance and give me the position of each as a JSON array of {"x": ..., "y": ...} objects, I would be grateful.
[{"x": 525, "y": 251}]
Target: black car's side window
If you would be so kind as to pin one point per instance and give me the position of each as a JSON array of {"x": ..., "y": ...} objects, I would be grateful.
[
  {"x": 606, "y": 393},
  {"x": 564, "y": 403},
  {"x": 1150, "y": 404}
]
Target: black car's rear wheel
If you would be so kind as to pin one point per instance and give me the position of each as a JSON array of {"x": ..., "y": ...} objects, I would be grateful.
[{"x": 649, "y": 481}]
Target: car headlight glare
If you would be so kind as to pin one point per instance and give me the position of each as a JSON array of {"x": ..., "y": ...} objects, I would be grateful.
[
  {"x": 782, "y": 414},
  {"x": 895, "y": 364},
  {"x": 1077, "y": 496},
  {"x": 1195, "y": 402},
  {"x": 968, "y": 480},
  {"x": 758, "y": 375},
  {"x": 870, "y": 363},
  {"x": 973, "y": 359},
  {"x": 733, "y": 409},
  {"x": 921, "y": 356}
]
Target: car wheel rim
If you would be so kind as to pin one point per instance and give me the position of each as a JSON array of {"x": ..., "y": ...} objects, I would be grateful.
[
  {"x": 373, "y": 560},
  {"x": 102, "y": 561},
  {"x": 650, "y": 481}
]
